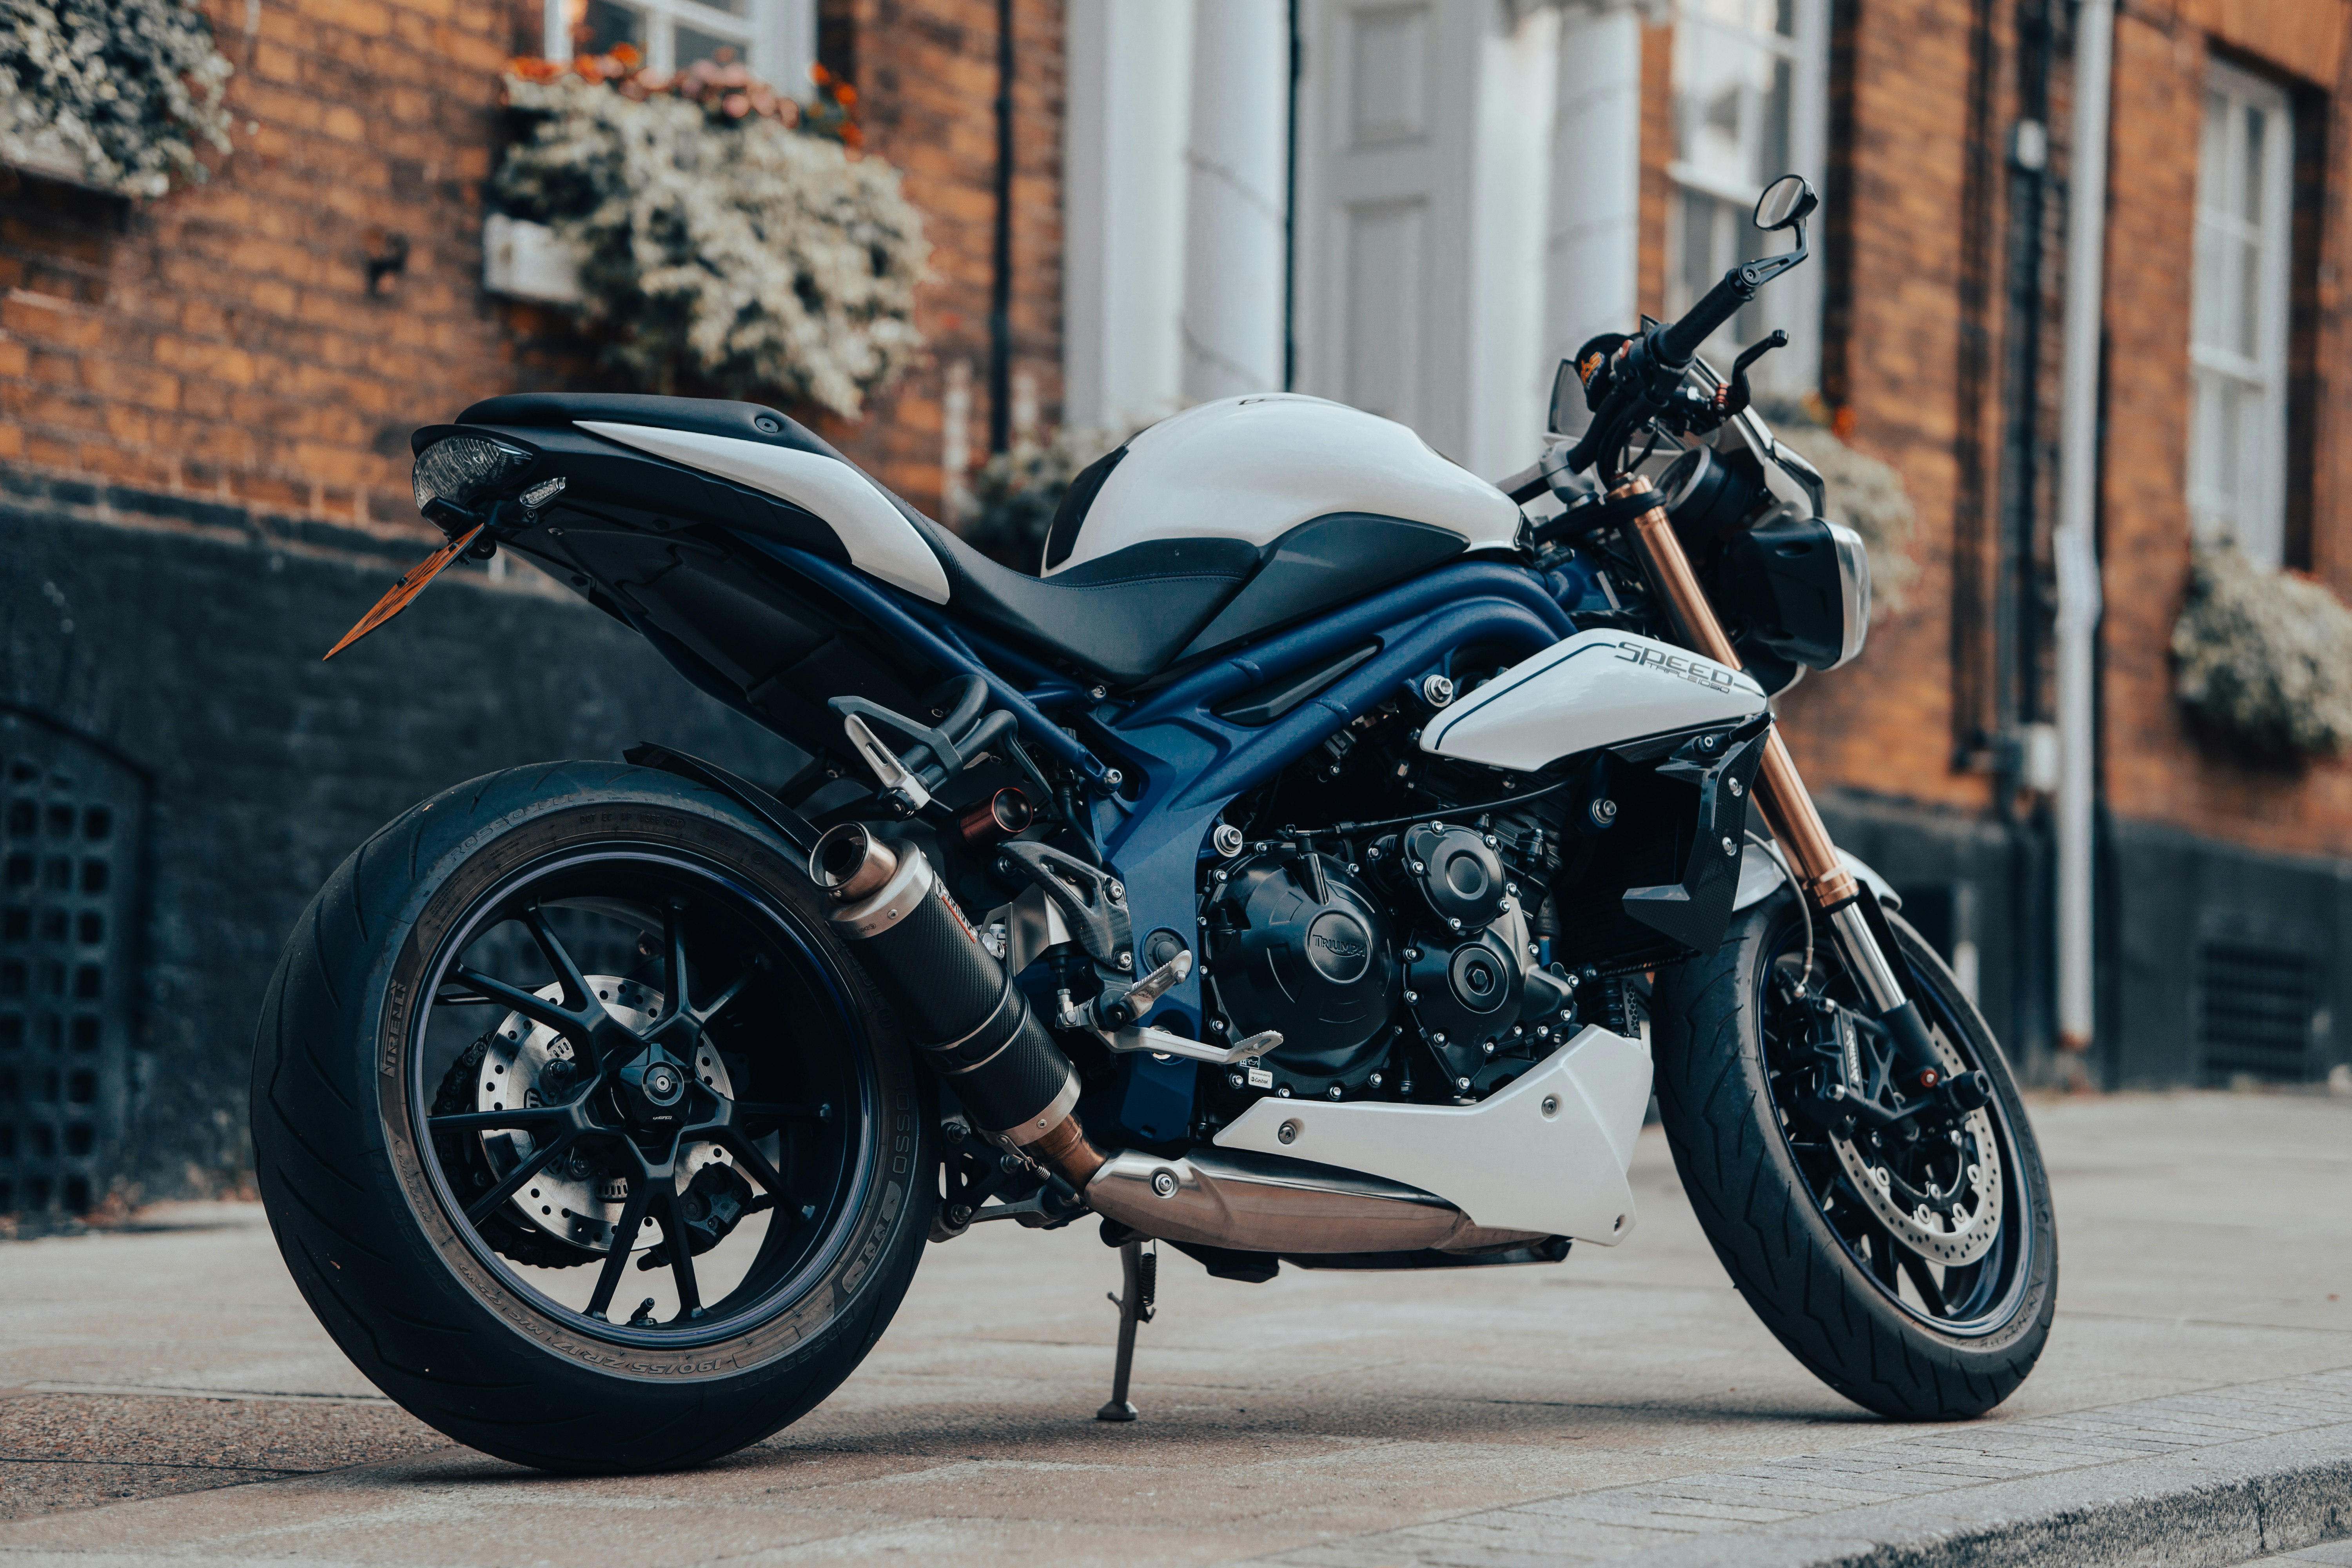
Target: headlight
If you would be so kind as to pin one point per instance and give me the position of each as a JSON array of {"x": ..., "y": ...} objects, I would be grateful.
[
  {"x": 459, "y": 469},
  {"x": 1802, "y": 586}
]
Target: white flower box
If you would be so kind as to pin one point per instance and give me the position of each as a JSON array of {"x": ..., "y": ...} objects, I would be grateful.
[{"x": 527, "y": 260}]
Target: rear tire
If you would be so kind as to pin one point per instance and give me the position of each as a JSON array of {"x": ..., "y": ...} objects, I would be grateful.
[
  {"x": 447, "y": 1316},
  {"x": 1798, "y": 1239}
]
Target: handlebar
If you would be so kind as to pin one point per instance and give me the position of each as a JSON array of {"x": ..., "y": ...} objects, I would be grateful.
[{"x": 1679, "y": 341}]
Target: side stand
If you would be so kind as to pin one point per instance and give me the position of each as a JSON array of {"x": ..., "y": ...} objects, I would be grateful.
[{"x": 1139, "y": 1271}]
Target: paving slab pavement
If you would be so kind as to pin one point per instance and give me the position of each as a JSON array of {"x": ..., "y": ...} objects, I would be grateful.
[{"x": 167, "y": 1394}]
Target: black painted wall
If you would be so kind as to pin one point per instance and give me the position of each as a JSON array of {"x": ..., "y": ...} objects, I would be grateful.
[{"x": 190, "y": 647}]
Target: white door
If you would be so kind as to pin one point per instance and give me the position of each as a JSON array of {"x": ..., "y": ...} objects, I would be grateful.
[
  {"x": 1423, "y": 168},
  {"x": 1385, "y": 122}
]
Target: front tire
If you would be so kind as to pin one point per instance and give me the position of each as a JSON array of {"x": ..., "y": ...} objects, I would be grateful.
[
  {"x": 1863, "y": 1304},
  {"x": 782, "y": 1140}
]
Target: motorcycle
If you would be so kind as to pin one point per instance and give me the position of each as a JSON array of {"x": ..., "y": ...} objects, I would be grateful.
[{"x": 1321, "y": 862}]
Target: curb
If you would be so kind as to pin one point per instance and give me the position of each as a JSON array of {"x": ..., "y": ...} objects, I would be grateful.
[{"x": 2205, "y": 1480}]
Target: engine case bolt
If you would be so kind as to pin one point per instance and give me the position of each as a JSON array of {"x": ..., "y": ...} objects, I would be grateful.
[
  {"x": 1462, "y": 1083},
  {"x": 1335, "y": 1091},
  {"x": 1375, "y": 1081}
]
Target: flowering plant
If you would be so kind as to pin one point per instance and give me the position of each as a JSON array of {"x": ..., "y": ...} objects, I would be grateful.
[
  {"x": 725, "y": 230},
  {"x": 113, "y": 93},
  {"x": 725, "y": 88},
  {"x": 2264, "y": 654}
]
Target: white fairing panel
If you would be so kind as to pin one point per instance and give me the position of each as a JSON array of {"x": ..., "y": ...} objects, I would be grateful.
[
  {"x": 877, "y": 536},
  {"x": 1255, "y": 467},
  {"x": 1596, "y": 689},
  {"x": 1506, "y": 1162}
]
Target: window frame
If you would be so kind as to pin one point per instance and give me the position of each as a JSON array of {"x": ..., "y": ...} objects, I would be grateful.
[
  {"x": 779, "y": 36},
  {"x": 2256, "y": 516},
  {"x": 1793, "y": 304}
]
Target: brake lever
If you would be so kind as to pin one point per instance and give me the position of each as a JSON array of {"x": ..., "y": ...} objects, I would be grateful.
[{"x": 1733, "y": 397}]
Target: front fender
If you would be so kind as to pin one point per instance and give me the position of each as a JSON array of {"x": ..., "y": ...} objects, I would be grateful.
[{"x": 1760, "y": 874}]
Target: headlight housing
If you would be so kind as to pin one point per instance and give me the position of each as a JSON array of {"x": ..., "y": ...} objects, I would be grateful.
[
  {"x": 457, "y": 471},
  {"x": 1802, "y": 586}
]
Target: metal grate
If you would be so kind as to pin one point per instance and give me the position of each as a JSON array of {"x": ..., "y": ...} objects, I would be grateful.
[
  {"x": 2255, "y": 1008},
  {"x": 69, "y": 820}
]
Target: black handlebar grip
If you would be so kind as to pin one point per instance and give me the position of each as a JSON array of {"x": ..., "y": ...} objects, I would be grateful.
[{"x": 1681, "y": 341}]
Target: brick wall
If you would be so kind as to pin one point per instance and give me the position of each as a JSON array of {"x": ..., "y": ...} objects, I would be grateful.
[
  {"x": 927, "y": 79},
  {"x": 2158, "y": 769},
  {"x": 223, "y": 343},
  {"x": 1896, "y": 268}
]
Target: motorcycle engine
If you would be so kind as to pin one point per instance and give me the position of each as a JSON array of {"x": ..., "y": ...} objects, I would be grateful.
[
  {"x": 1425, "y": 938},
  {"x": 1300, "y": 943}
]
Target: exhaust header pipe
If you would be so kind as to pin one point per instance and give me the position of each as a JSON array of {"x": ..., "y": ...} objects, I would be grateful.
[
  {"x": 1253, "y": 1202},
  {"x": 971, "y": 1021}
]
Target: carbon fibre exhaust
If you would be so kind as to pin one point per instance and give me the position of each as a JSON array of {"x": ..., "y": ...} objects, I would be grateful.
[{"x": 972, "y": 1024}]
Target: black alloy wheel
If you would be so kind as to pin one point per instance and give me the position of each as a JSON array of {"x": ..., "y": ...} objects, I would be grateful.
[
  {"x": 1922, "y": 1208},
  {"x": 603, "y": 1118},
  {"x": 1902, "y": 1245},
  {"x": 583, "y": 1135}
]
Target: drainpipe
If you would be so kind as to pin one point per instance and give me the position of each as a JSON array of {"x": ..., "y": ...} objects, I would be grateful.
[
  {"x": 1000, "y": 255},
  {"x": 2074, "y": 540}
]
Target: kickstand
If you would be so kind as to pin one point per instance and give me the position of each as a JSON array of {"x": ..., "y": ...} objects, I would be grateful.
[{"x": 1139, "y": 1263}]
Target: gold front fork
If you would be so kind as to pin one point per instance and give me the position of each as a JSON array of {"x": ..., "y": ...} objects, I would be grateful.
[{"x": 1787, "y": 805}]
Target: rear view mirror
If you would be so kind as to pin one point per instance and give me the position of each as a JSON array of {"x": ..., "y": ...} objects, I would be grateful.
[
  {"x": 1786, "y": 201},
  {"x": 1568, "y": 411}
]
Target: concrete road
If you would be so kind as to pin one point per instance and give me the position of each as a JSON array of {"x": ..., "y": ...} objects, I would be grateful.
[{"x": 165, "y": 1392}]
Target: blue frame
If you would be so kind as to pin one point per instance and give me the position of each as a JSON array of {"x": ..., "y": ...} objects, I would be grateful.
[{"x": 1184, "y": 761}]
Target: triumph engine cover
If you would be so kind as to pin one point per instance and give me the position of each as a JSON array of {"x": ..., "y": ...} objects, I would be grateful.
[{"x": 1297, "y": 944}]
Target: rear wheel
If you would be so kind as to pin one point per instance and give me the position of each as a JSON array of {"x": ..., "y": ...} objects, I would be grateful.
[
  {"x": 1913, "y": 1267},
  {"x": 580, "y": 1132}
]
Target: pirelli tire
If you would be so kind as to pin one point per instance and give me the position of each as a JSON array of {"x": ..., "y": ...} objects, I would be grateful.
[
  {"x": 426, "y": 1304},
  {"x": 1779, "y": 1201}
]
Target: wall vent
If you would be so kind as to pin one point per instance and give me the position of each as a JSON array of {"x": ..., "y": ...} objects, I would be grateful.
[
  {"x": 2256, "y": 1007},
  {"x": 69, "y": 822}
]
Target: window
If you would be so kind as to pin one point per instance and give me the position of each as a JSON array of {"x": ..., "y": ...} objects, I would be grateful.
[
  {"x": 1750, "y": 79},
  {"x": 777, "y": 39},
  {"x": 2238, "y": 319}
]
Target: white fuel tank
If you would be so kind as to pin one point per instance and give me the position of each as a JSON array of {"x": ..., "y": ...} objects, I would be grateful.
[
  {"x": 1254, "y": 468},
  {"x": 1596, "y": 689}
]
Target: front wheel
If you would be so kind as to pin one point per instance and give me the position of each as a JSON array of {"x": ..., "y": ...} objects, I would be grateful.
[
  {"x": 580, "y": 1132},
  {"x": 1911, "y": 1265}
]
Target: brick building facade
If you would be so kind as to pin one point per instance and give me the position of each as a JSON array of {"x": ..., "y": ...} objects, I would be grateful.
[
  {"x": 205, "y": 409},
  {"x": 204, "y": 402}
]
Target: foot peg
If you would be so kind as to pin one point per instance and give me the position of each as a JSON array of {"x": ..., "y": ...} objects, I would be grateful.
[{"x": 1139, "y": 1263}]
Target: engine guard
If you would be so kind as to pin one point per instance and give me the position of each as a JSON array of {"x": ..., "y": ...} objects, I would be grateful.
[{"x": 1547, "y": 1154}]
